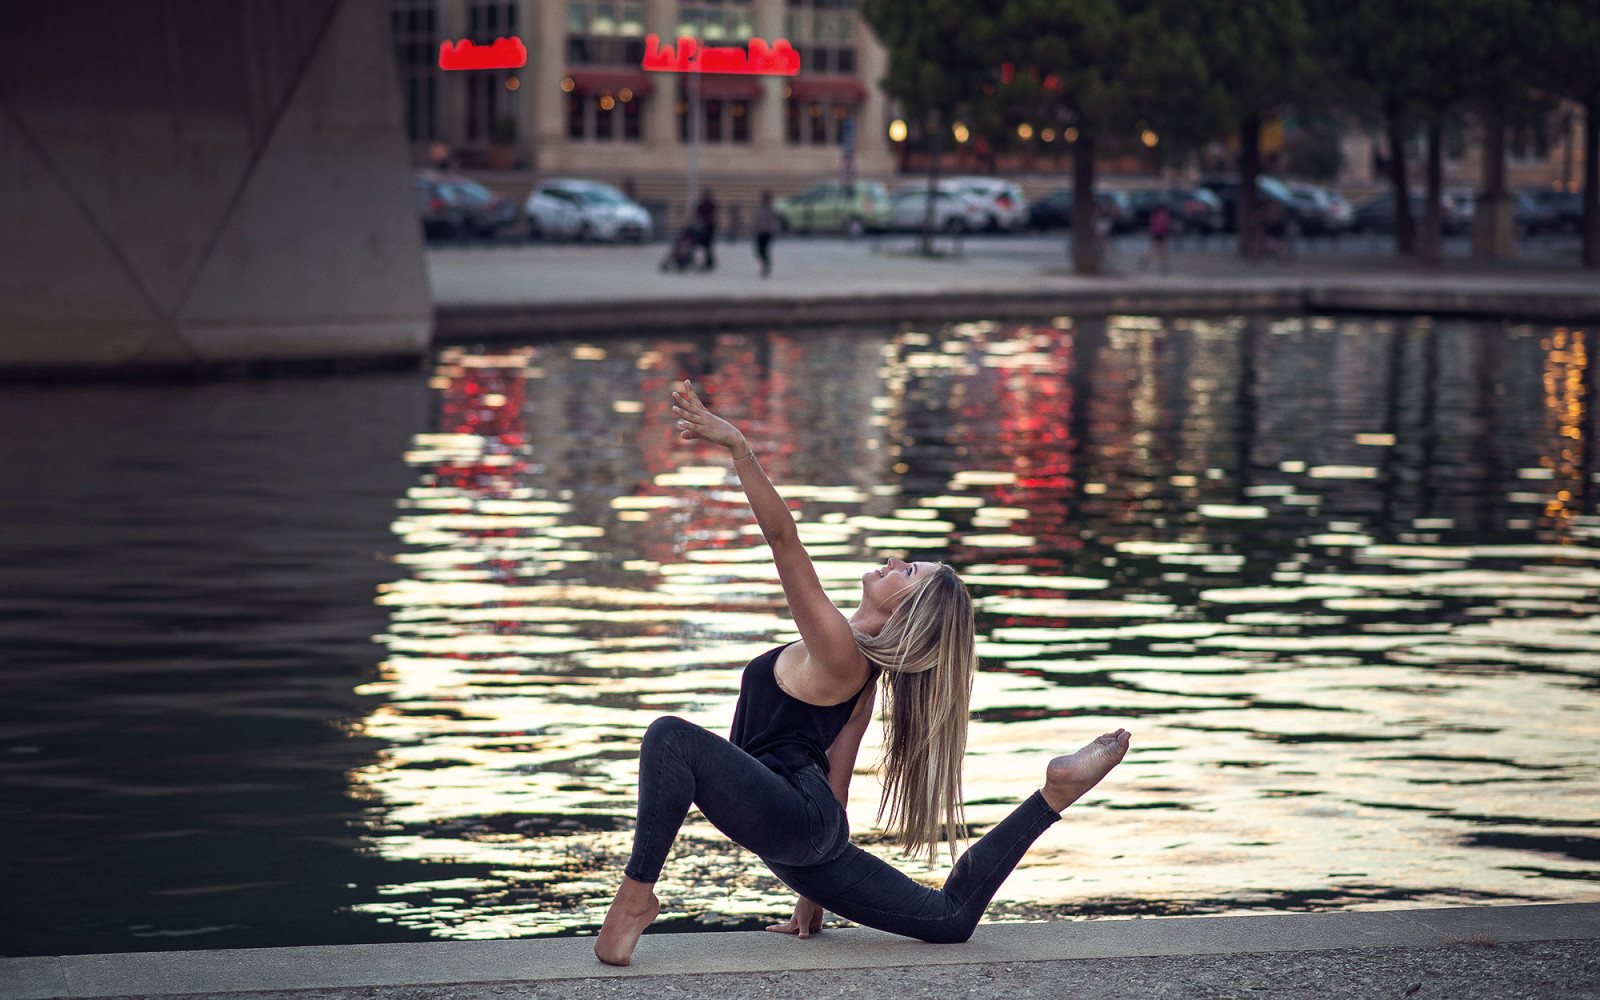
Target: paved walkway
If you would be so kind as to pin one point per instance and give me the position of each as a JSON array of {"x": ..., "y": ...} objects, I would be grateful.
[
  {"x": 545, "y": 290},
  {"x": 1547, "y": 952}
]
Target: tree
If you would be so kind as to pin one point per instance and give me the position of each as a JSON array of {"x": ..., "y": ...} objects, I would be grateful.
[
  {"x": 1258, "y": 57},
  {"x": 1103, "y": 69},
  {"x": 939, "y": 55},
  {"x": 1569, "y": 66}
]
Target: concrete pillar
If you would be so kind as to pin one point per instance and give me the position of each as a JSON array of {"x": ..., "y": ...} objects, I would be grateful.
[
  {"x": 548, "y": 69},
  {"x": 661, "y": 110},
  {"x": 767, "y": 136},
  {"x": 220, "y": 183},
  {"x": 874, "y": 154}
]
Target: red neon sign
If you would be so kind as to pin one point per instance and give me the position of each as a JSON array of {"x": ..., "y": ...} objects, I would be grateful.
[
  {"x": 689, "y": 56},
  {"x": 504, "y": 53}
]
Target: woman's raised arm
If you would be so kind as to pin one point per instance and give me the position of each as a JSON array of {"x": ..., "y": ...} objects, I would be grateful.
[{"x": 830, "y": 642}]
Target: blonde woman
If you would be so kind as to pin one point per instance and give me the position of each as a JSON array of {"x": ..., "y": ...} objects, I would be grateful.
[{"x": 779, "y": 785}]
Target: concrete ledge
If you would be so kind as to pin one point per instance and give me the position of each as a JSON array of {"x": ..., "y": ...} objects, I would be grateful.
[
  {"x": 457, "y": 323},
  {"x": 543, "y": 959}
]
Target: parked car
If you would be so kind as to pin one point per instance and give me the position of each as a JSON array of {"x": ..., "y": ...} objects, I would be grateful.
[
  {"x": 834, "y": 207},
  {"x": 484, "y": 214},
  {"x": 1005, "y": 207},
  {"x": 1565, "y": 207},
  {"x": 1533, "y": 214},
  {"x": 1323, "y": 210},
  {"x": 1377, "y": 214},
  {"x": 566, "y": 208},
  {"x": 953, "y": 212},
  {"x": 1054, "y": 210},
  {"x": 1191, "y": 209},
  {"x": 438, "y": 207},
  {"x": 1292, "y": 217}
]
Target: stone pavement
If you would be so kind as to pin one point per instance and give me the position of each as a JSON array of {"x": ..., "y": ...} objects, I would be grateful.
[
  {"x": 1546, "y": 952},
  {"x": 554, "y": 290}
]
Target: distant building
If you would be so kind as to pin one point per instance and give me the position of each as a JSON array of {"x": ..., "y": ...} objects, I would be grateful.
[{"x": 584, "y": 106}]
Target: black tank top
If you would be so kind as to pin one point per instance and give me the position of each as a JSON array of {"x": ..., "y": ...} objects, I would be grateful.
[{"x": 779, "y": 729}]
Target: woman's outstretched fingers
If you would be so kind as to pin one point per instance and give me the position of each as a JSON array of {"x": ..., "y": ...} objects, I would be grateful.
[{"x": 1068, "y": 778}]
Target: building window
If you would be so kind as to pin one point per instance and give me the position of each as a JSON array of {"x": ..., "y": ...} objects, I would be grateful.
[
  {"x": 716, "y": 20},
  {"x": 414, "y": 27},
  {"x": 601, "y": 33},
  {"x": 604, "y": 117},
  {"x": 721, "y": 120},
  {"x": 816, "y": 123},
  {"x": 824, "y": 33},
  {"x": 1530, "y": 143}
]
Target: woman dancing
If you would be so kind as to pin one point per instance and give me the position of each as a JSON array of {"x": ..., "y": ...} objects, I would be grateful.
[{"x": 779, "y": 786}]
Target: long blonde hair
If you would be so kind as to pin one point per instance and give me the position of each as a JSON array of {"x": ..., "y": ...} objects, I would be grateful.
[{"x": 927, "y": 654}]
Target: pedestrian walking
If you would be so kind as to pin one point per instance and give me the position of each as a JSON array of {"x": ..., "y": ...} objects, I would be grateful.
[
  {"x": 779, "y": 785},
  {"x": 706, "y": 227},
  {"x": 1160, "y": 230},
  {"x": 766, "y": 227}
]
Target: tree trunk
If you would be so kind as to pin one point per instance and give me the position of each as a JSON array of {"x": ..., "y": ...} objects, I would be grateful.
[
  {"x": 1245, "y": 211},
  {"x": 1430, "y": 250},
  {"x": 1591, "y": 183},
  {"x": 1493, "y": 216},
  {"x": 1085, "y": 228},
  {"x": 1405, "y": 237}
]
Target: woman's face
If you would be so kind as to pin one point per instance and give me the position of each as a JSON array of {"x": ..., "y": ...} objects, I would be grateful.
[{"x": 886, "y": 585}]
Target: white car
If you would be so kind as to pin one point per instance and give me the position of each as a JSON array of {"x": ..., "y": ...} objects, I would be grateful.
[
  {"x": 564, "y": 208},
  {"x": 1004, "y": 206},
  {"x": 953, "y": 212}
]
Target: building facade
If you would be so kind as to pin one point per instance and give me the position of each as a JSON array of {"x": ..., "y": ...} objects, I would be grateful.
[{"x": 582, "y": 104}]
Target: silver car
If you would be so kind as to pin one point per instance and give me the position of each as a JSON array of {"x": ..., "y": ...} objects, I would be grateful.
[{"x": 565, "y": 208}]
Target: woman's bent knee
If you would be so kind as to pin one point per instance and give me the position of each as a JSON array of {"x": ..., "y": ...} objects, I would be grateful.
[{"x": 666, "y": 728}]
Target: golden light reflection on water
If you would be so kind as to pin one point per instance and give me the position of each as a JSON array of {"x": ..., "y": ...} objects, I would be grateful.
[{"x": 1297, "y": 558}]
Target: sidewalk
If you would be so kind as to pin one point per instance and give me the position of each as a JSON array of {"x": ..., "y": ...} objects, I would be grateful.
[
  {"x": 555, "y": 290},
  {"x": 1545, "y": 952}
]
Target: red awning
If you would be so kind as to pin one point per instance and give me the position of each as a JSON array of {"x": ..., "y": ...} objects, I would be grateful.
[
  {"x": 838, "y": 89},
  {"x": 725, "y": 87},
  {"x": 593, "y": 80}
]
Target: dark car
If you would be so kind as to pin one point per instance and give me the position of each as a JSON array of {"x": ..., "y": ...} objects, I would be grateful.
[
  {"x": 1192, "y": 210},
  {"x": 1377, "y": 214},
  {"x": 1286, "y": 216},
  {"x": 1054, "y": 210},
  {"x": 439, "y": 208},
  {"x": 1541, "y": 210},
  {"x": 1565, "y": 208},
  {"x": 484, "y": 214}
]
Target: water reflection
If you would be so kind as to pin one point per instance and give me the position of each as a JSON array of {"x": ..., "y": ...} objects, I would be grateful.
[{"x": 1340, "y": 574}]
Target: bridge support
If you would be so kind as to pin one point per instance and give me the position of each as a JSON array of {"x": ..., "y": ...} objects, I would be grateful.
[{"x": 186, "y": 183}]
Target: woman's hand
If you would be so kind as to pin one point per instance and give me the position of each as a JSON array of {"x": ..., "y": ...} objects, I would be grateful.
[
  {"x": 807, "y": 920},
  {"x": 695, "y": 421}
]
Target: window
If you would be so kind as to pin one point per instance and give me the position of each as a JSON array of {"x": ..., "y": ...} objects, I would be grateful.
[
  {"x": 1530, "y": 143},
  {"x": 721, "y": 120},
  {"x": 491, "y": 103},
  {"x": 601, "y": 33},
  {"x": 817, "y": 123},
  {"x": 414, "y": 27},
  {"x": 603, "y": 117},
  {"x": 716, "y": 21},
  {"x": 824, "y": 32}
]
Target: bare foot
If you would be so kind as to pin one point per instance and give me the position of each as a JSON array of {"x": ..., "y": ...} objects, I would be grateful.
[
  {"x": 1067, "y": 778},
  {"x": 633, "y": 909}
]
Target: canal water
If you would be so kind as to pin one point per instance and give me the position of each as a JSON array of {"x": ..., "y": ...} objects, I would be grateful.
[{"x": 367, "y": 659}]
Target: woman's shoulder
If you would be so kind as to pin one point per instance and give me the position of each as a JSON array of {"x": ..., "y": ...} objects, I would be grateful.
[{"x": 800, "y": 675}]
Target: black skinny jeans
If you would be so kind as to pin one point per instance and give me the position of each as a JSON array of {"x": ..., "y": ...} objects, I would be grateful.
[{"x": 798, "y": 828}]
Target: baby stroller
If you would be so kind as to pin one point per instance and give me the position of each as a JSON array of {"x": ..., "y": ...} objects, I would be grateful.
[{"x": 680, "y": 254}]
